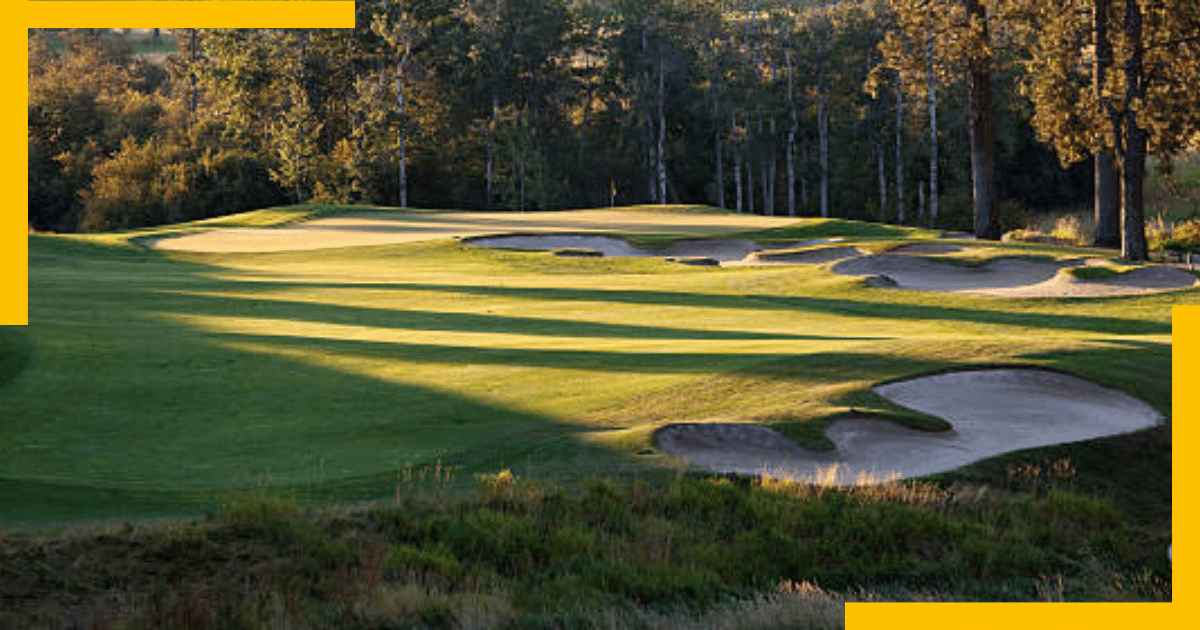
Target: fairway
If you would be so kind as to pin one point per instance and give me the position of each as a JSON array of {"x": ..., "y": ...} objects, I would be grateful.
[{"x": 165, "y": 369}]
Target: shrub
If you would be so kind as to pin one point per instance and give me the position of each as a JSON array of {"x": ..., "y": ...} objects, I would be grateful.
[
  {"x": 435, "y": 559},
  {"x": 1068, "y": 230}
]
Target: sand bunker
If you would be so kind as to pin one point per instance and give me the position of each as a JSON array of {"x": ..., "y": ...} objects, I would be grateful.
[
  {"x": 806, "y": 257},
  {"x": 380, "y": 228},
  {"x": 724, "y": 251},
  {"x": 992, "y": 412},
  {"x": 1008, "y": 277}
]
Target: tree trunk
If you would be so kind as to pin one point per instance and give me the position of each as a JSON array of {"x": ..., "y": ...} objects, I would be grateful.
[
  {"x": 805, "y": 160},
  {"x": 772, "y": 174},
  {"x": 749, "y": 180},
  {"x": 791, "y": 143},
  {"x": 403, "y": 166},
  {"x": 933, "y": 137},
  {"x": 661, "y": 166},
  {"x": 651, "y": 162},
  {"x": 491, "y": 150},
  {"x": 1107, "y": 202},
  {"x": 737, "y": 162},
  {"x": 719, "y": 175},
  {"x": 982, "y": 136},
  {"x": 1133, "y": 218},
  {"x": 823, "y": 125},
  {"x": 192, "y": 77},
  {"x": 762, "y": 168},
  {"x": 883, "y": 200},
  {"x": 1133, "y": 223},
  {"x": 1108, "y": 186},
  {"x": 920, "y": 203},
  {"x": 900, "y": 215}
]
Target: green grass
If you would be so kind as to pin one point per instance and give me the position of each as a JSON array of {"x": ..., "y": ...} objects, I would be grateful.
[
  {"x": 335, "y": 366},
  {"x": 166, "y": 384},
  {"x": 825, "y": 228}
]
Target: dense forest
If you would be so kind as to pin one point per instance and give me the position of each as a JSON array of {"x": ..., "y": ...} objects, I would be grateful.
[{"x": 964, "y": 114}]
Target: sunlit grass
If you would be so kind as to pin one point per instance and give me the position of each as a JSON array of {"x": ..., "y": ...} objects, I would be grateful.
[{"x": 193, "y": 374}]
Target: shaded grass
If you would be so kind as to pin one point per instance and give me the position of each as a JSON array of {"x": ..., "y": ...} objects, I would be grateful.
[{"x": 16, "y": 350}]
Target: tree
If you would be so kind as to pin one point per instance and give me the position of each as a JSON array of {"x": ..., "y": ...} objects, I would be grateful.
[
  {"x": 1126, "y": 95},
  {"x": 402, "y": 32},
  {"x": 953, "y": 38}
]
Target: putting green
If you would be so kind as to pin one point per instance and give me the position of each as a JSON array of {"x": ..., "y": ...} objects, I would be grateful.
[{"x": 159, "y": 380}]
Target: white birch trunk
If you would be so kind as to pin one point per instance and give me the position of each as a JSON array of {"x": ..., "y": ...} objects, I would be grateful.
[
  {"x": 491, "y": 149},
  {"x": 403, "y": 166},
  {"x": 771, "y": 173},
  {"x": 719, "y": 175},
  {"x": 737, "y": 163},
  {"x": 791, "y": 142},
  {"x": 883, "y": 200},
  {"x": 823, "y": 153},
  {"x": 662, "y": 131},
  {"x": 805, "y": 160},
  {"x": 933, "y": 138},
  {"x": 900, "y": 215},
  {"x": 920, "y": 203}
]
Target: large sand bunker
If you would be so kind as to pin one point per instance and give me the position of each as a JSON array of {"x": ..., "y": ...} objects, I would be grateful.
[
  {"x": 991, "y": 411},
  {"x": 725, "y": 251},
  {"x": 906, "y": 267},
  {"x": 1008, "y": 277}
]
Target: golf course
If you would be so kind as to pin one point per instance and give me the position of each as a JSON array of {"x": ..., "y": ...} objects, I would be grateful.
[{"x": 338, "y": 358}]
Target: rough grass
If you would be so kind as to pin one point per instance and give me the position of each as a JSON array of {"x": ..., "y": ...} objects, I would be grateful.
[{"x": 699, "y": 552}]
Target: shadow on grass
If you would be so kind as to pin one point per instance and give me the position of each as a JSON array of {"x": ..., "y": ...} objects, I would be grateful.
[
  {"x": 769, "y": 364},
  {"x": 420, "y": 320},
  {"x": 16, "y": 350},
  {"x": 834, "y": 306}
]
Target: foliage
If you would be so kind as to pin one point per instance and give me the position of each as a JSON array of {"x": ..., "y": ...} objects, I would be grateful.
[
  {"x": 1183, "y": 236},
  {"x": 694, "y": 547},
  {"x": 505, "y": 105}
]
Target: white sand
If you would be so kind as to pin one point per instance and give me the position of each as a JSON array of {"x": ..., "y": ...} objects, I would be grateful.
[
  {"x": 1010, "y": 277},
  {"x": 992, "y": 412}
]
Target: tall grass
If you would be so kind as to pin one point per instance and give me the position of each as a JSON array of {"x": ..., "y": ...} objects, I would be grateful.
[{"x": 712, "y": 552}]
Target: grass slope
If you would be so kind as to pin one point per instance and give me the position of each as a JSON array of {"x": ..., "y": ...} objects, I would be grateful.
[{"x": 164, "y": 383}]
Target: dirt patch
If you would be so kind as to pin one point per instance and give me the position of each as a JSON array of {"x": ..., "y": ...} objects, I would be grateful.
[{"x": 991, "y": 411}]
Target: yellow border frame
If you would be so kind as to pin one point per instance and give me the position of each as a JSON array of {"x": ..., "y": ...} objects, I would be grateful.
[{"x": 14, "y": 310}]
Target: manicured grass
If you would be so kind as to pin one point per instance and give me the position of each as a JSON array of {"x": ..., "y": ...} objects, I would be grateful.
[
  {"x": 172, "y": 384},
  {"x": 187, "y": 375}
]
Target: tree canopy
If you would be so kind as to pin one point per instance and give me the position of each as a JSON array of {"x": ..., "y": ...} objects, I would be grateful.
[{"x": 859, "y": 110}]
